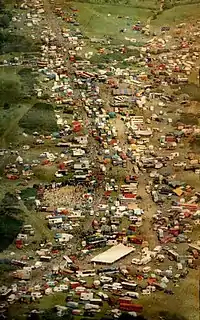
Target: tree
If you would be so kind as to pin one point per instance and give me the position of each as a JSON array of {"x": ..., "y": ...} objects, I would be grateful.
[
  {"x": 10, "y": 91},
  {"x": 4, "y": 21}
]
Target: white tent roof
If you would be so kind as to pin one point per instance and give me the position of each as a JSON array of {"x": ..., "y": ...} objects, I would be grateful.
[{"x": 113, "y": 254}]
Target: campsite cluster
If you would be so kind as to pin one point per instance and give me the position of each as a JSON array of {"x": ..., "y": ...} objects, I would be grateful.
[{"x": 123, "y": 221}]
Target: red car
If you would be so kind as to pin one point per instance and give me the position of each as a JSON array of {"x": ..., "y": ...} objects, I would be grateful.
[
  {"x": 130, "y": 179},
  {"x": 137, "y": 28},
  {"x": 136, "y": 240}
]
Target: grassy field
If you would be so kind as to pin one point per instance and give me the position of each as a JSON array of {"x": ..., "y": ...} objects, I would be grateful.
[
  {"x": 100, "y": 19},
  {"x": 177, "y": 14},
  {"x": 145, "y": 4},
  {"x": 41, "y": 118}
]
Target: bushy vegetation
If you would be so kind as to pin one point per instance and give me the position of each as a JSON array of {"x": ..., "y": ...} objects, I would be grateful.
[
  {"x": 9, "y": 229},
  {"x": 11, "y": 42},
  {"x": 28, "y": 193},
  {"x": 28, "y": 80},
  {"x": 10, "y": 220},
  {"x": 4, "y": 267},
  {"x": 10, "y": 92},
  {"x": 110, "y": 57},
  {"x": 5, "y": 273},
  {"x": 5, "y": 19},
  {"x": 40, "y": 118}
]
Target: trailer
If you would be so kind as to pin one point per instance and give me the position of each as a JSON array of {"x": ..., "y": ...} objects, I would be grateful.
[
  {"x": 131, "y": 307},
  {"x": 129, "y": 285}
]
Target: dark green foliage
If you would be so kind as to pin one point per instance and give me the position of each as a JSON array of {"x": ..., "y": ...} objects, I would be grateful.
[
  {"x": 9, "y": 200},
  {"x": 5, "y": 20},
  {"x": 10, "y": 42},
  {"x": 10, "y": 220},
  {"x": 6, "y": 106},
  {"x": 41, "y": 118},
  {"x": 123, "y": 64},
  {"x": 10, "y": 92},
  {"x": 6, "y": 268},
  {"x": 5, "y": 273},
  {"x": 9, "y": 229},
  {"x": 28, "y": 193},
  {"x": 28, "y": 80},
  {"x": 28, "y": 196}
]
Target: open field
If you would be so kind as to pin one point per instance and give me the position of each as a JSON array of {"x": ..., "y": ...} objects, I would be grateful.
[
  {"x": 104, "y": 20},
  {"x": 177, "y": 14}
]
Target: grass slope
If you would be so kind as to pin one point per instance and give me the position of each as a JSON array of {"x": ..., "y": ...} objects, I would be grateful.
[
  {"x": 41, "y": 118},
  {"x": 100, "y": 20}
]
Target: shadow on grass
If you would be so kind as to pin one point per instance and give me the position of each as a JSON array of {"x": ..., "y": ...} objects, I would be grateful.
[
  {"x": 10, "y": 221},
  {"x": 40, "y": 118}
]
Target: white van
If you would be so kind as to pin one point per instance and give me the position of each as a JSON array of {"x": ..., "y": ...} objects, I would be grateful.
[{"x": 132, "y": 294}]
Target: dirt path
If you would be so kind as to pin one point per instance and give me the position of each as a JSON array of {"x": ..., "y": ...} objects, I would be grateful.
[
  {"x": 53, "y": 23},
  {"x": 120, "y": 129},
  {"x": 149, "y": 208},
  {"x": 147, "y": 203}
]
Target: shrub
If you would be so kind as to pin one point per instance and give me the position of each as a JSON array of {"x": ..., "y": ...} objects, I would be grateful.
[{"x": 4, "y": 21}]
